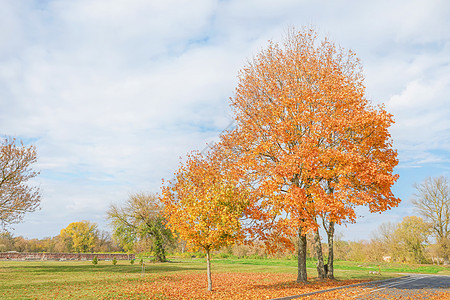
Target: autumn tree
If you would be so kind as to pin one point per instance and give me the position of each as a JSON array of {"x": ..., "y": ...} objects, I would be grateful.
[
  {"x": 308, "y": 140},
  {"x": 17, "y": 197},
  {"x": 140, "y": 218},
  {"x": 432, "y": 200},
  {"x": 6, "y": 242},
  {"x": 203, "y": 204},
  {"x": 80, "y": 237},
  {"x": 404, "y": 241},
  {"x": 411, "y": 235}
]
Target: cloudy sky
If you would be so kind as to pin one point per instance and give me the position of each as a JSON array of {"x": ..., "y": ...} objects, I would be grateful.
[{"x": 113, "y": 93}]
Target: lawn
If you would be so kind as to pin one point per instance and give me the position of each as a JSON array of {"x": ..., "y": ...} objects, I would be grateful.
[{"x": 179, "y": 279}]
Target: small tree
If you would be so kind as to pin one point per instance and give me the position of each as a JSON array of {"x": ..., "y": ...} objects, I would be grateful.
[
  {"x": 16, "y": 196},
  {"x": 203, "y": 205}
]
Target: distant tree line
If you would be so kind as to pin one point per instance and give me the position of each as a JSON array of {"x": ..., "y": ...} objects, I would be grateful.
[{"x": 77, "y": 237}]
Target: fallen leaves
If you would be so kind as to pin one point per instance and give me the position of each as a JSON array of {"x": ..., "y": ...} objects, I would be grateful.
[{"x": 227, "y": 286}]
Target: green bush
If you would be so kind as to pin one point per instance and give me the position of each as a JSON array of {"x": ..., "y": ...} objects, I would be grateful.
[
  {"x": 224, "y": 255},
  {"x": 114, "y": 261},
  {"x": 132, "y": 261},
  {"x": 95, "y": 260}
]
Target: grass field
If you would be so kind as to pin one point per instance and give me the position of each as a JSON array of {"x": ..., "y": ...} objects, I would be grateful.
[{"x": 179, "y": 279}]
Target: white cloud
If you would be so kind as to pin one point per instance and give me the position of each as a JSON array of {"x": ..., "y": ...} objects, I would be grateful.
[
  {"x": 422, "y": 125},
  {"x": 115, "y": 92}
]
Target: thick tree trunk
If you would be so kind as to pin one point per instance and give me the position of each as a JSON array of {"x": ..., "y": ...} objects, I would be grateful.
[
  {"x": 330, "y": 233},
  {"x": 318, "y": 247},
  {"x": 208, "y": 269},
  {"x": 301, "y": 275}
]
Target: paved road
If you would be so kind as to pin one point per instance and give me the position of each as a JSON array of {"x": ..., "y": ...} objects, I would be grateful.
[
  {"x": 414, "y": 285},
  {"x": 410, "y": 286}
]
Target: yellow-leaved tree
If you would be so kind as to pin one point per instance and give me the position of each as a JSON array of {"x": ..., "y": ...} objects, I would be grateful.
[
  {"x": 80, "y": 237},
  {"x": 203, "y": 204}
]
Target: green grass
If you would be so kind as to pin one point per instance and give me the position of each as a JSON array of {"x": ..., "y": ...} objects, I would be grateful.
[
  {"x": 393, "y": 268},
  {"x": 283, "y": 265},
  {"x": 76, "y": 279},
  {"x": 83, "y": 280}
]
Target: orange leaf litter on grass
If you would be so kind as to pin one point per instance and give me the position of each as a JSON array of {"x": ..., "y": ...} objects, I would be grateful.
[{"x": 228, "y": 286}]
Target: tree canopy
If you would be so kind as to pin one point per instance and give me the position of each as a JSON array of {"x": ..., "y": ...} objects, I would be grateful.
[
  {"x": 307, "y": 144},
  {"x": 203, "y": 204},
  {"x": 308, "y": 140},
  {"x": 140, "y": 219},
  {"x": 80, "y": 236}
]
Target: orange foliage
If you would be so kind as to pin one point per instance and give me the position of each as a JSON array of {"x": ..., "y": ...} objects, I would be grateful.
[
  {"x": 307, "y": 139},
  {"x": 204, "y": 205}
]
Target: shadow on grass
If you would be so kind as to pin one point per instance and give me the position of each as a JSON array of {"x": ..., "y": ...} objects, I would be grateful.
[
  {"x": 85, "y": 268},
  {"x": 311, "y": 284}
]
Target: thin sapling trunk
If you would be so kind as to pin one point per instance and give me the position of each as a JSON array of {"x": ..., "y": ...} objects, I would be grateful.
[{"x": 208, "y": 269}]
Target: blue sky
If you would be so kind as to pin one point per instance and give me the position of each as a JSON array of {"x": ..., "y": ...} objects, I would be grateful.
[{"x": 113, "y": 93}]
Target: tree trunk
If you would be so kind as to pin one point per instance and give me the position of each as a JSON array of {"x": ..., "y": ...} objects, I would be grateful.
[
  {"x": 208, "y": 269},
  {"x": 301, "y": 275},
  {"x": 330, "y": 233},
  {"x": 160, "y": 253},
  {"x": 318, "y": 247}
]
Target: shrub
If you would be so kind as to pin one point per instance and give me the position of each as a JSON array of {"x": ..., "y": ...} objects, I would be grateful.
[
  {"x": 132, "y": 261},
  {"x": 95, "y": 260},
  {"x": 224, "y": 255},
  {"x": 114, "y": 261}
]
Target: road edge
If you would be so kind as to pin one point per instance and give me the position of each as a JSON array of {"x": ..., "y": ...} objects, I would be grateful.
[{"x": 338, "y": 288}]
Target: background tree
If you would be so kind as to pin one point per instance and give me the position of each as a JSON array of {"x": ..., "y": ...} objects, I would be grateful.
[
  {"x": 16, "y": 196},
  {"x": 341, "y": 248},
  {"x": 6, "y": 242},
  {"x": 404, "y": 241},
  {"x": 411, "y": 235},
  {"x": 203, "y": 205},
  {"x": 105, "y": 243},
  {"x": 80, "y": 237},
  {"x": 140, "y": 218},
  {"x": 384, "y": 240},
  {"x": 295, "y": 140},
  {"x": 432, "y": 201}
]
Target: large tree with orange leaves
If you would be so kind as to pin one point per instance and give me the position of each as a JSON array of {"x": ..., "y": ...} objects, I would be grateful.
[
  {"x": 308, "y": 140},
  {"x": 203, "y": 204}
]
